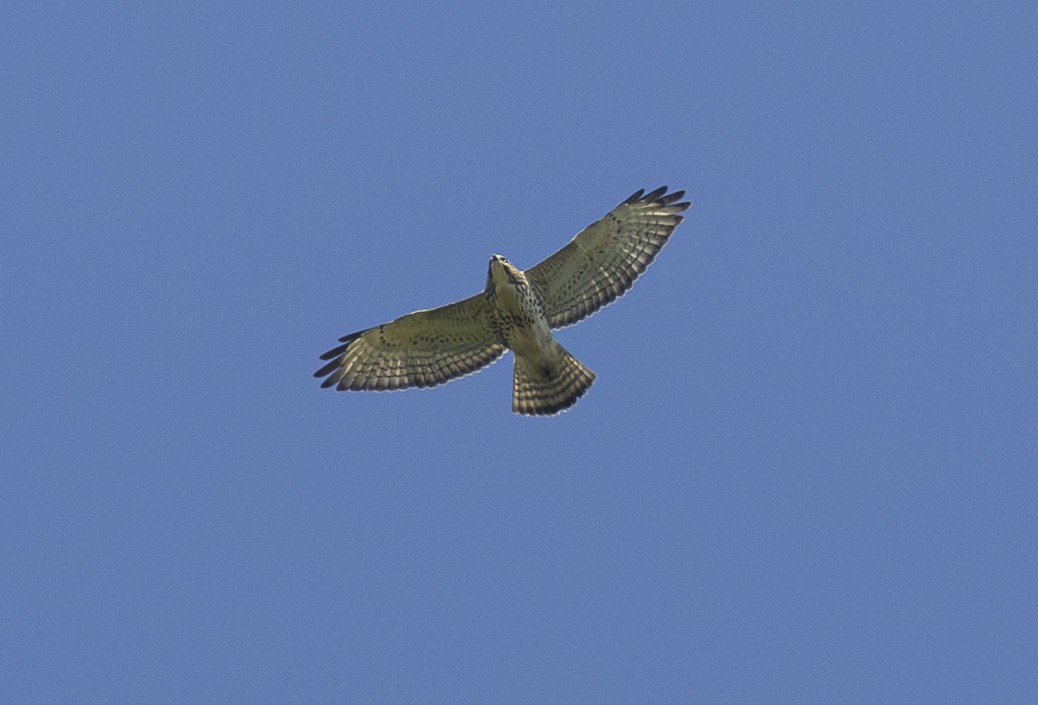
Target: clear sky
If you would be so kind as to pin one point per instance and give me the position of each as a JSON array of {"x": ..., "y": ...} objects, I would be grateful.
[{"x": 805, "y": 474}]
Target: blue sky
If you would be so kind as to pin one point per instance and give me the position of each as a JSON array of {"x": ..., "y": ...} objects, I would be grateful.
[{"x": 806, "y": 472}]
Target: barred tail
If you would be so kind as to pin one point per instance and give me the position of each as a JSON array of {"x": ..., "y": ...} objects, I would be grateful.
[{"x": 540, "y": 389}]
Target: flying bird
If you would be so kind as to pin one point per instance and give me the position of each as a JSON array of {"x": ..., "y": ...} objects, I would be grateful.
[{"x": 516, "y": 311}]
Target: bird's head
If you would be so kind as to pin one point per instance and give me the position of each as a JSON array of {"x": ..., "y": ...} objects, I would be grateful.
[{"x": 502, "y": 272}]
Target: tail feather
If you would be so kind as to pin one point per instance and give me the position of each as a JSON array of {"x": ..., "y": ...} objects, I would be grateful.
[{"x": 546, "y": 389}]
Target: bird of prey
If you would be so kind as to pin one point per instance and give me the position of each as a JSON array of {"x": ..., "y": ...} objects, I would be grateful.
[{"x": 516, "y": 311}]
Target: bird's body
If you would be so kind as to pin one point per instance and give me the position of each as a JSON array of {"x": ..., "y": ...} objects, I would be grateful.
[
  {"x": 517, "y": 310},
  {"x": 546, "y": 379}
]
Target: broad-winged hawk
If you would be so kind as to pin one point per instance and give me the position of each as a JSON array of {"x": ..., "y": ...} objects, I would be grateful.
[{"x": 516, "y": 311}]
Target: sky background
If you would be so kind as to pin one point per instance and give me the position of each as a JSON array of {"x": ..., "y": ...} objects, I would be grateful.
[{"x": 805, "y": 474}]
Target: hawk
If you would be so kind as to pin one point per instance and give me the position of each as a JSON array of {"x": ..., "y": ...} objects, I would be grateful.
[{"x": 516, "y": 311}]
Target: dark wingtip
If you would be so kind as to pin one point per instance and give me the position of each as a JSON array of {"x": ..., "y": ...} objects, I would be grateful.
[
  {"x": 336, "y": 355},
  {"x": 671, "y": 197},
  {"x": 634, "y": 196},
  {"x": 653, "y": 195},
  {"x": 346, "y": 340},
  {"x": 658, "y": 195},
  {"x": 329, "y": 368},
  {"x": 335, "y": 352}
]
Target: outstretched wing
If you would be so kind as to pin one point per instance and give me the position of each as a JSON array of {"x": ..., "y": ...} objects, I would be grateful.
[
  {"x": 602, "y": 261},
  {"x": 421, "y": 349}
]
